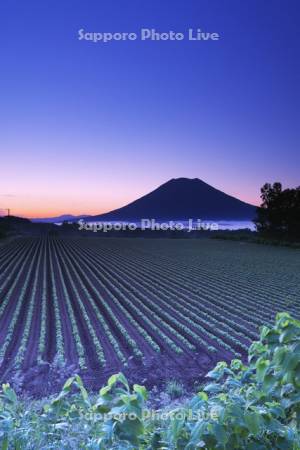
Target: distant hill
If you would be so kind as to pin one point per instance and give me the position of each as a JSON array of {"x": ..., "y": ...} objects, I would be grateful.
[
  {"x": 14, "y": 220},
  {"x": 181, "y": 199},
  {"x": 12, "y": 226},
  {"x": 59, "y": 219}
]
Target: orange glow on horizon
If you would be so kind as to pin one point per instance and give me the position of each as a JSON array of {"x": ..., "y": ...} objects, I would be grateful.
[
  {"x": 39, "y": 213},
  {"x": 45, "y": 213}
]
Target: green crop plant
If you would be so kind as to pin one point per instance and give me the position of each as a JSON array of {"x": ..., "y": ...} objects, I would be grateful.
[{"x": 254, "y": 406}]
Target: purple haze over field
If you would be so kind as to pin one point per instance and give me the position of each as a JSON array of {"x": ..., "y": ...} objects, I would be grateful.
[{"x": 88, "y": 127}]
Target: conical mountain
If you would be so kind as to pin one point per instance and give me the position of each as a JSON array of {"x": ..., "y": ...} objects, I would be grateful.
[{"x": 182, "y": 199}]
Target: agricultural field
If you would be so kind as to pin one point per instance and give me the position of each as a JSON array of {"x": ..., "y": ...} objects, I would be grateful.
[{"x": 156, "y": 309}]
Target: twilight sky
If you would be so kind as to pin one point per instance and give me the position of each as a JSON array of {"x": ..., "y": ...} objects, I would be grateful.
[{"x": 86, "y": 127}]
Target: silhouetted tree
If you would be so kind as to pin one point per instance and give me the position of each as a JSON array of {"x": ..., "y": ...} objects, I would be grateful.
[{"x": 279, "y": 213}]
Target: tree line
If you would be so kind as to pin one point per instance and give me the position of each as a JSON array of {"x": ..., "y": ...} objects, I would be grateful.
[{"x": 279, "y": 213}]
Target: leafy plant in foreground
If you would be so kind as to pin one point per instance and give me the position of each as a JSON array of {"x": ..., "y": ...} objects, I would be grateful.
[{"x": 251, "y": 407}]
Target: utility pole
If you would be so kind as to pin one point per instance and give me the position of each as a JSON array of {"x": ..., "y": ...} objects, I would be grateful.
[{"x": 7, "y": 211}]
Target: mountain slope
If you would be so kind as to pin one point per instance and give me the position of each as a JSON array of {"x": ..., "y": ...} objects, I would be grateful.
[{"x": 181, "y": 199}]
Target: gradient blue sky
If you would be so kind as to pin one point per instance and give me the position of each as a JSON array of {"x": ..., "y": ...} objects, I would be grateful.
[{"x": 89, "y": 127}]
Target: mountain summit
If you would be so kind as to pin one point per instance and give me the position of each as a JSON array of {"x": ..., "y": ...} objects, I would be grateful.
[{"x": 182, "y": 199}]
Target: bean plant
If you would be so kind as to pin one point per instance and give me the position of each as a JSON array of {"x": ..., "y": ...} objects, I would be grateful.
[{"x": 253, "y": 407}]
